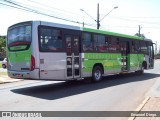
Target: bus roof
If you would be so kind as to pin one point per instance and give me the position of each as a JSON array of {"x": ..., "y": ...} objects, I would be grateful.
[
  {"x": 111, "y": 33},
  {"x": 83, "y": 28}
]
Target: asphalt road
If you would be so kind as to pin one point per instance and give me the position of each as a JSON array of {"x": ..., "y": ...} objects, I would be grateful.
[{"x": 114, "y": 93}]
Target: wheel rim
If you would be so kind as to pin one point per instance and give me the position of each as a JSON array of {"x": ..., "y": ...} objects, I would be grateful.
[
  {"x": 97, "y": 74},
  {"x": 3, "y": 66}
]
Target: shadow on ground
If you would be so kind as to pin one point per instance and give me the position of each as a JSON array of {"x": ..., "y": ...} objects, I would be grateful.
[{"x": 54, "y": 91}]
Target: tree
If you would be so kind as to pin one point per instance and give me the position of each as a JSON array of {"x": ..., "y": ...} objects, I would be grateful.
[
  {"x": 2, "y": 47},
  {"x": 140, "y": 35}
]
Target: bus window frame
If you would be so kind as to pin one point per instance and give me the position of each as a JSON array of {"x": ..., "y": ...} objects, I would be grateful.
[
  {"x": 149, "y": 43},
  {"x": 110, "y": 41},
  {"x": 53, "y": 28},
  {"x": 28, "y": 23},
  {"x": 92, "y": 42},
  {"x": 140, "y": 47}
]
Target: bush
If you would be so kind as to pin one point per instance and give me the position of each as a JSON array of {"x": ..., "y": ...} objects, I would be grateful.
[
  {"x": 2, "y": 47},
  {"x": 157, "y": 56}
]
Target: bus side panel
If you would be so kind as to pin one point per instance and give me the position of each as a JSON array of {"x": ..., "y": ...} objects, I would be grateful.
[
  {"x": 111, "y": 63},
  {"x": 35, "y": 50},
  {"x": 53, "y": 66},
  {"x": 133, "y": 62},
  {"x": 141, "y": 58}
]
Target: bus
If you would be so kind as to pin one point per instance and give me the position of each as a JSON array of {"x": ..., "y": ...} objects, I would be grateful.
[{"x": 49, "y": 51}]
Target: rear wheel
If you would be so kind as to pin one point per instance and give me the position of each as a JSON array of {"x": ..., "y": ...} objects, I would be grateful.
[
  {"x": 141, "y": 71},
  {"x": 4, "y": 66},
  {"x": 97, "y": 74}
]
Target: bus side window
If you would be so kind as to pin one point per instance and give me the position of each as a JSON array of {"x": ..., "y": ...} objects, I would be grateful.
[
  {"x": 99, "y": 43},
  {"x": 87, "y": 42},
  {"x": 137, "y": 46},
  {"x": 149, "y": 47},
  {"x": 143, "y": 47},
  {"x": 44, "y": 41},
  {"x": 113, "y": 44},
  {"x": 50, "y": 39},
  {"x": 133, "y": 47}
]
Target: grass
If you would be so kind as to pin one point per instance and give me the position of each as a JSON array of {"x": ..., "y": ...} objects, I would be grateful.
[
  {"x": 3, "y": 73},
  {"x": 0, "y": 64}
]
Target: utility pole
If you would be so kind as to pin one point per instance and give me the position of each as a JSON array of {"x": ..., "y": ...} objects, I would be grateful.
[
  {"x": 98, "y": 17},
  {"x": 139, "y": 31},
  {"x": 156, "y": 48},
  {"x": 98, "y": 21}
]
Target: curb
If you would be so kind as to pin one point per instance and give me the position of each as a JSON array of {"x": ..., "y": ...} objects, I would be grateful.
[
  {"x": 5, "y": 79},
  {"x": 139, "y": 108}
]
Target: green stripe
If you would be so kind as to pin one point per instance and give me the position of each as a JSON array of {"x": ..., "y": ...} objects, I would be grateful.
[
  {"x": 135, "y": 61},
  {"x": 111, "y": 33},
  {"x": 108, "y": 60},
  {"x": 19, "y": 56},
  {"x": 22, "y": 47},
  {"x": 111, "y": 61}
]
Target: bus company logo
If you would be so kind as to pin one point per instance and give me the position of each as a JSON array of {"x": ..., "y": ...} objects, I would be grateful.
[{"x": 6, "y": 114}]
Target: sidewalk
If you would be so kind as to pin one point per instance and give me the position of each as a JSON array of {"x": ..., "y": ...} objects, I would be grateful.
[
  {"x": 6, "y": 79},
  {"x": 151, "y": 105}
]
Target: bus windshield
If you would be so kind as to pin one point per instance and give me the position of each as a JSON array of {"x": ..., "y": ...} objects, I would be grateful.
[{"x": 19, "y": 37}]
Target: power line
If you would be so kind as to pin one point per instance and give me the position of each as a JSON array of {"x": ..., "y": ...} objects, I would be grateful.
[
  {"x": 135, "y": 17},
  {"x": 54, "y": 8},
  {"x": 21, "y": 7},
  {"x": 63, "y": 12},
  {"x": 39, "y": 9},
  {"x": 18, "y": 6},
  {"x": 131, "y": 20},
  {"x": 43, "y": 8}
]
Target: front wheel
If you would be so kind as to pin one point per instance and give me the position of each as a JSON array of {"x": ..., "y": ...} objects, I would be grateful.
[{"x": 97, "y": 74}]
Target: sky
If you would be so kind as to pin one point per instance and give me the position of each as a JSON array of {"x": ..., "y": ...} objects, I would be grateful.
[{"x": 125, "y": 19}]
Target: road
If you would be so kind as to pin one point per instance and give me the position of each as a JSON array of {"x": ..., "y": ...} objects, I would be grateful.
[{"x": 114, "y": 93}]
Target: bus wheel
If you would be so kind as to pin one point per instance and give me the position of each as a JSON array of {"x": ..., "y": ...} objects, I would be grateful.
[
  {"x": 97, "y": 74},
  {"x": 140, "y": 72}
]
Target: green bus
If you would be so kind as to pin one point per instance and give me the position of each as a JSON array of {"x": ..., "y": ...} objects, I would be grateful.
[{"x": 51, "y": 51}]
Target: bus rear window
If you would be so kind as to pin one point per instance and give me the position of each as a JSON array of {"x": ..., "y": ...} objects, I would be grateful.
[{"x": 19, "y": 38}]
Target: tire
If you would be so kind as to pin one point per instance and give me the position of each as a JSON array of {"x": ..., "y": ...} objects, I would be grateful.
[
  {"x": 97, "y": 74},
  {"x": 140, "y": 72},
  {"x": 4, "y": 66}
]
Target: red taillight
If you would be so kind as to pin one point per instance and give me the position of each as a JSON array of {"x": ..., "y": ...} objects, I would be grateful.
[
  {"x": 7, "y": 62},
  {"x": 32, "y": 67}
]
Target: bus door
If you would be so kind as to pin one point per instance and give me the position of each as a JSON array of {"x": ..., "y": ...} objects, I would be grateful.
[
  {"x": 151, "y": 54},
  {"x": 124, "y": 53},
  {"x": 72, "y": 56}
]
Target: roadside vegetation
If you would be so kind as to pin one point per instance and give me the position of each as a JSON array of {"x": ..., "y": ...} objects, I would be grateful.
[
  {"x": 3, "y": 73},
  {"x": 0, "y": 65},
  {"x": 157, "y": 56},
  {"x": 2, "y": 47}
]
